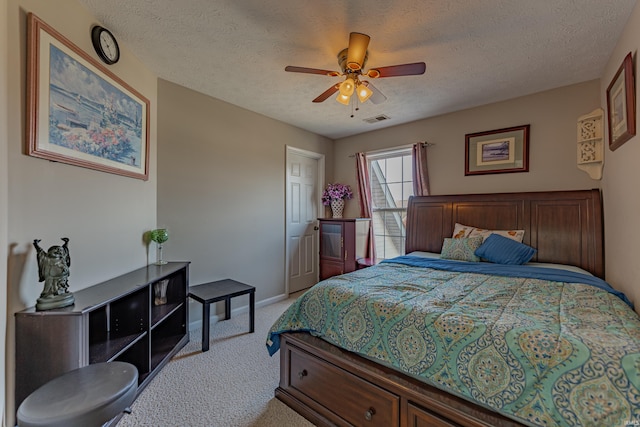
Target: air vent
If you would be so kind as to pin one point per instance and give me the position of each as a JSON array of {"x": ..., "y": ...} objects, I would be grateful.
[{"x": 377, "y": 119}]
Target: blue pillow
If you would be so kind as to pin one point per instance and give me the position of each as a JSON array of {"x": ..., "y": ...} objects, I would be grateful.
[{"x": 502, "y": 250}]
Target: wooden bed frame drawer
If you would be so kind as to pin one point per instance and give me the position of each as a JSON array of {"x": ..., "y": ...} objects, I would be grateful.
[
  {"x": 420, "y": 417},
  {"x": 361, "y": 403},
  {"x": 339, "y": 387}
]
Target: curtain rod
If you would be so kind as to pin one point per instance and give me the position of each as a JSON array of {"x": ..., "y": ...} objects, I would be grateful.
[{"x": 400, "y": 147}]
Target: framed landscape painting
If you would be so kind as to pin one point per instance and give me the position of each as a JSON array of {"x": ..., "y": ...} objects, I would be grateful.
[
  {"x": 497, "y": 151},
  {"x": 79, "y": 112}
]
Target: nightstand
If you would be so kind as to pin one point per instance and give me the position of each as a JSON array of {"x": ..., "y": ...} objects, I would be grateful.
[{"x": 342, "y": 242}]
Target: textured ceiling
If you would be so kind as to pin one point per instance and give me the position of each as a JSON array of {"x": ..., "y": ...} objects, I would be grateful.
[{"x": 477, "y": 52}]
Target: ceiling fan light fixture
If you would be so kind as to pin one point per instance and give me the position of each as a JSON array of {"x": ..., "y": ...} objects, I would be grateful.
[
  {"x": 343, "y": 99},
  {"x": 363, "y": 92},
  {"x": 347, "y": 87},
  {"x": 352, "y": 61}
]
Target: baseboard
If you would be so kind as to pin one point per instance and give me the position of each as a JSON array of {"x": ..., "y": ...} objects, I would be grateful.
[{"x": 196, "y": 306}]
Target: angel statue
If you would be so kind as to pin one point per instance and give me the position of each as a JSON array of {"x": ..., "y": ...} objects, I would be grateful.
[{"x": 53, "y": 270}]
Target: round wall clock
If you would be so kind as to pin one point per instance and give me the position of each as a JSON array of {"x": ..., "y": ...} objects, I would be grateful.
[{"x": 105, "y": 45}]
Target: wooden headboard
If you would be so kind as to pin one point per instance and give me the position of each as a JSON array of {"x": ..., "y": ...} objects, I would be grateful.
[{"x": 564, "y": 226}]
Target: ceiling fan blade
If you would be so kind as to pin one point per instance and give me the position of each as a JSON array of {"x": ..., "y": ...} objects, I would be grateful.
[
  {"x": 327, "y": 93},
  {"x": 294, "y": 69},
  {"x": 357, "y": 50},
  {"x": 398, "y": 70},
  {"x": 377, "y": 97}
]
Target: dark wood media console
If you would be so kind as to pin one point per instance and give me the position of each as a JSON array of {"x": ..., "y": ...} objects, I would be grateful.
[{"x": 113, "y": 320}]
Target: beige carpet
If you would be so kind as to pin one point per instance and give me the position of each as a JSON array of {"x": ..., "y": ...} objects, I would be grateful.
[{"x": 230, "y": 385}]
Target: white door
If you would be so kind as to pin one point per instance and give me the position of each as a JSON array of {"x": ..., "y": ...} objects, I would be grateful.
[{"x": 304, "y": 174}]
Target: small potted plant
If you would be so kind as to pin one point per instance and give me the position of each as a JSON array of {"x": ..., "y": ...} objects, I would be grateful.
[
  {"x": 335, "y": 195},
  {"x": 159, "y": 235}
]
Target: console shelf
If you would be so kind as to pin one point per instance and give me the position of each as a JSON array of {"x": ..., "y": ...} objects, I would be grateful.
[
  {"x": 112, "y": 347},
  {"x": 113, "y": 320},
  {"x": 161, "y": 312}
]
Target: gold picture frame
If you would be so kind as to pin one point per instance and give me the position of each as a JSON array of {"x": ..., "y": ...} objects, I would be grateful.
[
  {"x": 621, "y": 105},
  {"x": 80, "y": 113},
  {"x": 497, "y": 151}
]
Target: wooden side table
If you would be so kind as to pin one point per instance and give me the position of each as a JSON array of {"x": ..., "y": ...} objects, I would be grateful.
[{"x": 219, "y": 291}]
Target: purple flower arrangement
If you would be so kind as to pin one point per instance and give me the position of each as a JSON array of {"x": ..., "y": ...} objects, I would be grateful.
[{"x": 335, "y": 192}]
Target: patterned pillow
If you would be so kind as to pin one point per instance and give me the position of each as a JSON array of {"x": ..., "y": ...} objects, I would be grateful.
[
  {"x": 461, "y": 249},
  {"x": 502, "y": 250},
  {"x": 515, "y": 235},
  {"x": 460, "y": 231}
]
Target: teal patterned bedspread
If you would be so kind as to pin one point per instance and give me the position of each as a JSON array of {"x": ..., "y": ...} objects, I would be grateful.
[{"x": 538, "y": 351}]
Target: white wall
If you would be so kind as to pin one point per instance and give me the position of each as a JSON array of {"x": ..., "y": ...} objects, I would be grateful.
[
  {"x": 104, "y": 215},
  {"x": 221, "y": 188},
  {"x": 620, "y": 180},
  {"x": 552, "y": 146}
]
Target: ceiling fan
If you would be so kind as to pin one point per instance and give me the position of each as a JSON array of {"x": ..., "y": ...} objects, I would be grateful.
[{"x": 352, "y": 61}]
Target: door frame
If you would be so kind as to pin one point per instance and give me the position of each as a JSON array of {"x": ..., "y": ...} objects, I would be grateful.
[{"x": 320, "y": 183}]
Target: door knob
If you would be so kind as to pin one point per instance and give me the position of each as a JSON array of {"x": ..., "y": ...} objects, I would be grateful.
[{"x": 316, "y": 228}]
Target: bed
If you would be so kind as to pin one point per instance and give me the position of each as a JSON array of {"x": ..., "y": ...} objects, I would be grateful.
[{"x": 422, "y": 341}]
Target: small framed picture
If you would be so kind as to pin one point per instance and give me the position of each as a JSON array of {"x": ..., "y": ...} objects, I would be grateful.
[
  {"x": 621, "y": 105},
  {"x": 497, "y": 151}
]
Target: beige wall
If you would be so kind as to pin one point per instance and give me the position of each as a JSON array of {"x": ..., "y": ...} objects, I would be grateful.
[
  {"x": 552, "y": 157},
  {"x": 620, "y": 181},
  {"x": 221, "y": 188},
  {"x": 104, "y": 215},
  {"x": 4, "y": 186}
]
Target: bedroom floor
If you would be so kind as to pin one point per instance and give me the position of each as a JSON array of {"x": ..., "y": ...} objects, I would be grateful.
[{"x": 230, "y": 385}]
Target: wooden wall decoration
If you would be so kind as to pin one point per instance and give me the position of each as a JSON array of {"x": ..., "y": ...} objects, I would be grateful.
[{"x": 591, "y": 143}]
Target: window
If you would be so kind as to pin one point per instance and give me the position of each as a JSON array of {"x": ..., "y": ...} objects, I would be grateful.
[{"x": 391, "y": 183}]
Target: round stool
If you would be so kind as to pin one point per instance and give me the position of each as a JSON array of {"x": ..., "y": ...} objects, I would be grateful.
[{"x": 88, "y": 396}]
